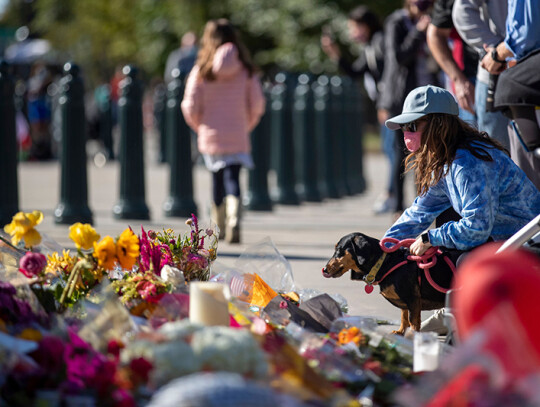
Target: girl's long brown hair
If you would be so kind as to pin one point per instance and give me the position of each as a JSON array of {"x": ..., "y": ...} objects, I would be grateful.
[
  {"x": 217, "y": 33},
  {"x": 443, "y": 135}
]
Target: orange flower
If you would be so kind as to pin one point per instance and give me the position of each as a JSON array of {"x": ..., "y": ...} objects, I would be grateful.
[
  {"x": 105, "y": 253},
  {"x": 351, "y": 334},
  {"x": 127, "y": 249}
]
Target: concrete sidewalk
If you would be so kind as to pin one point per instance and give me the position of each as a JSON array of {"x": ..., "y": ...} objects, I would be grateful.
[{"x": 304, "y": 234}]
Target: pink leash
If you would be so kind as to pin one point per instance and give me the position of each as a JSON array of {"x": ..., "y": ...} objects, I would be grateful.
[{"x": 425, "y": 262}]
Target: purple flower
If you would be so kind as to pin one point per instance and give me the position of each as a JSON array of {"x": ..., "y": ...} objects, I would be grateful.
[
  {"x": 50, "y": 353},
  {"x": 32, "y": 264},
  {"x": 198, "y": 261}
]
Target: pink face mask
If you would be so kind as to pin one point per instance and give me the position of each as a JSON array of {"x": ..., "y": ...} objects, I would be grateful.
[{"x": 412, "y": 140}]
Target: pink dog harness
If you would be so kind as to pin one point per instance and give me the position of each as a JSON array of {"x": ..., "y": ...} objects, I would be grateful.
[{"x": 425, "y": 262}]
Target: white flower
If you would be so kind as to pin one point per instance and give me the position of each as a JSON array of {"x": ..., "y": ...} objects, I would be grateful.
[
  {"x": 179, "y": 330},
  {"x": 226, "y": 349},
  {"x": 172, "y": 360},
  {"x": 172, "y": 275}
]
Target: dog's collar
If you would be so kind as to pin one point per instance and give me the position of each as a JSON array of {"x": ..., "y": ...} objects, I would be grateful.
[{"x": 370, "y": 278}]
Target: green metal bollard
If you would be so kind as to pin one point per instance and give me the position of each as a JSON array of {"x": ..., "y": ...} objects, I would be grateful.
[
  {"x": 258, "y": 197},
  {"x": 281, "y": 113},
  {"x": 160, "y": 102},
  {"x": 305, "y": 143},
  {"x": 131, "y": 203},
  {"x": 326, "y": 185},
  {"x": 354, "y": 135},
  {"x": 9, "y": 193},
  {"x": 180, "y": 202},
  {"x": 73, "y": 206},
  {"x": 336, "y": 133}
]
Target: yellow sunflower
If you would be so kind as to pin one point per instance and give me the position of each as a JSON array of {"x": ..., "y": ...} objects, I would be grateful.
[
  {"x": 127, "y": 249},
  {"x": 22, "y": 228},
  {"x": 105, "y": 252},
  {"x": 84, "y": 235}
]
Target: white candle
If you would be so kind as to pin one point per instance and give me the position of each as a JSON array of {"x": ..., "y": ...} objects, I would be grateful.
[
  {"x": 209, "y": 303},
  {"x": 426, "y": 351}
]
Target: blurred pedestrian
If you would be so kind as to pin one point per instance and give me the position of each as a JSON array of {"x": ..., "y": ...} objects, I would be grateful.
[
  {"x": 366, "y": 30},
  {"x": 183, "y": 57},
  {"x": 481, "y": 22},
  {"x": 39, "y": 112},
  {"x": 454, "y": 56},
  {"x": 519, "y": 86},
  {"x": 406, "y": 66},
  {"x": 223, "y": 102}
]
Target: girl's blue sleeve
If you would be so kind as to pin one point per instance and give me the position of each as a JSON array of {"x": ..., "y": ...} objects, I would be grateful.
[
  {"x": 419, "y": 216},
  {"x": 474, "y": 193}
]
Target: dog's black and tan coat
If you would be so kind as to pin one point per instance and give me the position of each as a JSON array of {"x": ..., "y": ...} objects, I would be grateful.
[{"x": 406, "y": 287}]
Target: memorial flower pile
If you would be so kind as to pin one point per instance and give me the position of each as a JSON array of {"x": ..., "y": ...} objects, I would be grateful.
[{"x": 129, "y": 333}]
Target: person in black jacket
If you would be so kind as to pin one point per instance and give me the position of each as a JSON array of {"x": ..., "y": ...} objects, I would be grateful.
[
  {"x": 407, "y": 65},
  {"x": 365, "y": 29}
]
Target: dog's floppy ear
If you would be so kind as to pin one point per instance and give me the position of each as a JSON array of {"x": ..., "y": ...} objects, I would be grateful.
[{"x": 359, "y": 244}]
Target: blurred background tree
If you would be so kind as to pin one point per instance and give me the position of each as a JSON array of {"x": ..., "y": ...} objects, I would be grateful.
[{"x": 102, "y": 34}]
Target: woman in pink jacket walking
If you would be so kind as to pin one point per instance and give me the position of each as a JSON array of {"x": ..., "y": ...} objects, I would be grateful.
[{"x": 223, "y": 102}]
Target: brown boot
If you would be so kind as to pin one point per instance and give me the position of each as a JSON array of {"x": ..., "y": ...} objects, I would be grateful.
[
  {"x": 217, "y": 214},
  {"x": 232, "y": 234}
]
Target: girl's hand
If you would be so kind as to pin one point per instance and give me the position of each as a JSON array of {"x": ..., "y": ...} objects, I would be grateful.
[{"x": 418, "y": 248}]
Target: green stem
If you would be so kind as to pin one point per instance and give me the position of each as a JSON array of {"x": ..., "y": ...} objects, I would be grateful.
[{"x": 11, "y": 245}]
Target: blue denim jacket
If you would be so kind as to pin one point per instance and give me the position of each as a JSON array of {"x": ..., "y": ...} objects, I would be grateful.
[{"x": 494, "y": 198}]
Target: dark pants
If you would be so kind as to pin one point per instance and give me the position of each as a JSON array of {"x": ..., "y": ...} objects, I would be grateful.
[
  {"x": 398, "y": 169},
  {"x": 226, "y": 182}
]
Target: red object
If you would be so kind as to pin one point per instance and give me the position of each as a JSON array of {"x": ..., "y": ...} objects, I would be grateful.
[{"x": 499, "y": 293}]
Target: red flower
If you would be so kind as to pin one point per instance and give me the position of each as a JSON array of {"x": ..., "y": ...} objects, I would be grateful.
[
  {"x": 113, "y": 348},
  {"x": 141, "y": 368}
]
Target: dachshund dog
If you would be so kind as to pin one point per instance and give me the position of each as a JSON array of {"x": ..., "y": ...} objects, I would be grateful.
[{"x": 408, "y": 287}]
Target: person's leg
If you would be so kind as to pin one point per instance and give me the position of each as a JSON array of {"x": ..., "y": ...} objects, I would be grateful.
[
  {"x": 386, "y": 202},
  {"x": 399, "y": 170},
  {"x": 526, "y": 160},
  {"x": 468, "y": 117},
  {"x": 231, "y": 180},
  {"x": 493, "y": 123},
  {"x": 233, "y": 205},
  {"x": 217, "y": 211}
]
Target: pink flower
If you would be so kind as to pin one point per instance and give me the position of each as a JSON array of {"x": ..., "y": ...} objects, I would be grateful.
[
  {"x": 198, "y": 261},
  {"x": 146, "y": 289},
  {"x": 283, "y": 304},
  {"x": 122, "y": 398},
  {"x": 32, "y": 264}
]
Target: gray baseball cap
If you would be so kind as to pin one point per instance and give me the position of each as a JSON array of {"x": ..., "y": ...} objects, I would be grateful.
[{"x": 421, "y": 101}]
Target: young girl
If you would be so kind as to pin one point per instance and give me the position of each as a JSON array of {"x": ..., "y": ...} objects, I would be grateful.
[
  {"x": 223, "y": 102},
  {"x": 457, "y": 166}
]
